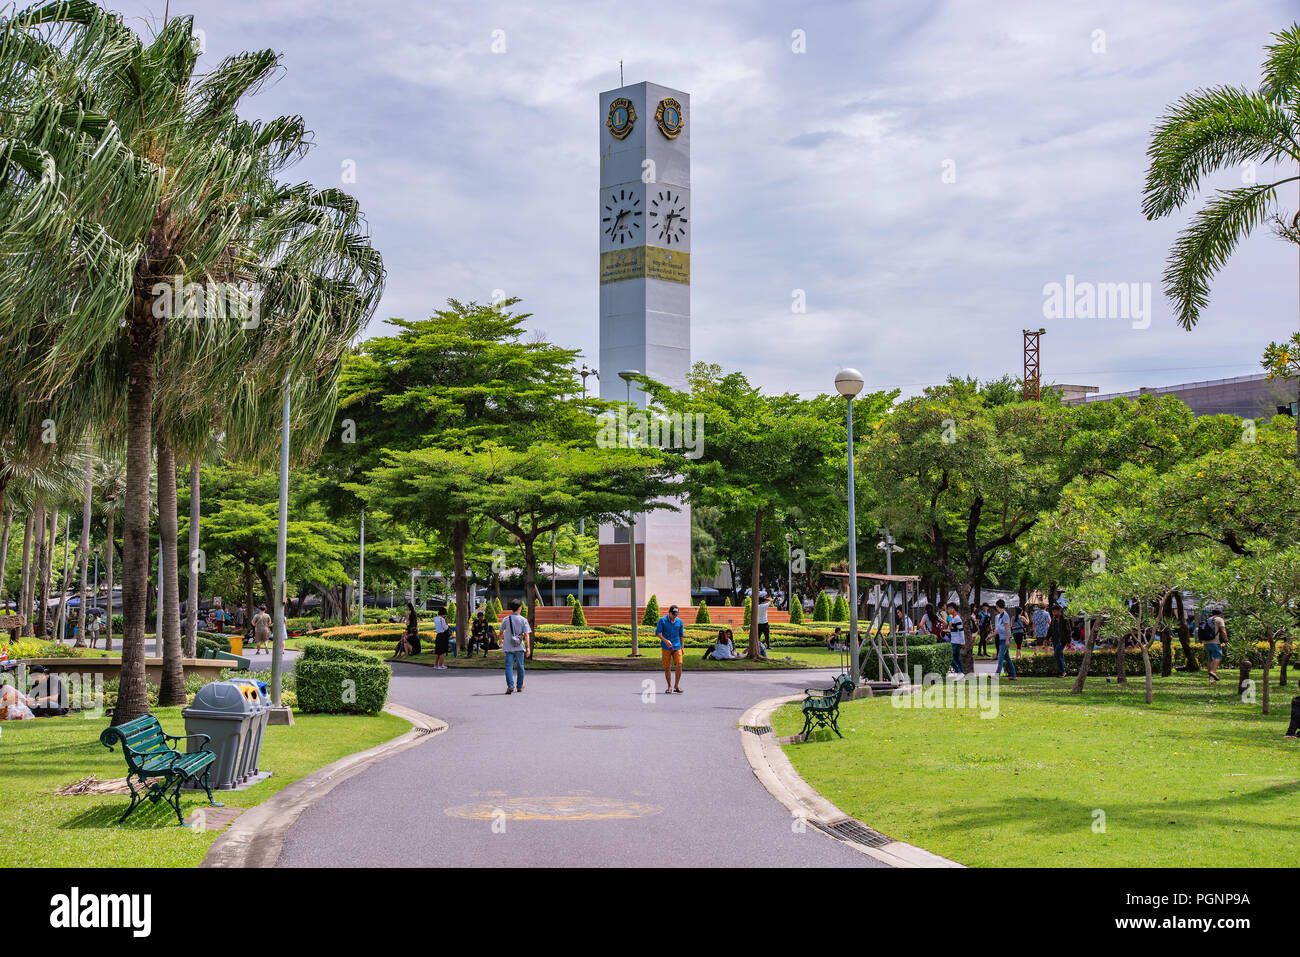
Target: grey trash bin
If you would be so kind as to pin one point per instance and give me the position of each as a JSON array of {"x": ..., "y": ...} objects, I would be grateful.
[
  {"x": 222, "y": 710},
  {"x": 252, "y": 750}
]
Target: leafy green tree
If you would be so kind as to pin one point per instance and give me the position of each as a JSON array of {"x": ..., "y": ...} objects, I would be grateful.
[
  {"x": 579, "y": 617},
  {"x": 702, "y": 614},
  {"x": 651, "y": 616},
  {"x": 761, "y": 453},
  {"x": 840, "y": 611},
  {"x": 467, "y": 374},
  {"x": 529, "y": 492},
  {"x": 748, "y": 607},
  {"x": 796, "y": 610},
  {"x": 1263, "y": 590}
]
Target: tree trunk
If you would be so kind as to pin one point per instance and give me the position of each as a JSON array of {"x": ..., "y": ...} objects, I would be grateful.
[
  {"x": 132, "y": 699},
  {"x": 972, "y": 634},
  {"x": 172, "y": 689},
  {"x": 1146, "y": 664},
  {"x": 1120, "y": 677},
  {"x": 61, "y": 618},
  {"x": 4, "y": 550},
  {"x": 39, "y": 574},
  {"x": 459, "y": 536},
  {"x": 47, "y": 574},
  {"x": 530, "y": 590},
  {"x": 84, "y": 547},
  {"x": 248, "y": 593},
  {"x": 1087, "y": 656},
  {"x": 1268, "y": 664},
  {"x": 192, "y": 597},
  {"x": 752, "y": 652},
  {"x": 1243, "y": 674},
  {"x": 108, "y": 572},
  {"x": 25, "y": 577}
]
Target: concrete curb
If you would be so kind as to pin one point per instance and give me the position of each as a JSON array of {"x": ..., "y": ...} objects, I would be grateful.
[
  {"x": 256, "y": 838},
  {"x": 783, "y": 782}
]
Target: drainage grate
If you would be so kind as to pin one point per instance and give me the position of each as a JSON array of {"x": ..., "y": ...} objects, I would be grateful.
[
  {"x": 853, "y": 832},
  {"x": 420, "y": 731},
  {"x": 756, "y": 728}
]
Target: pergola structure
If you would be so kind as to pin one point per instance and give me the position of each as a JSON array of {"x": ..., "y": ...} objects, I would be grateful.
[{"x": 896, "y": 591}]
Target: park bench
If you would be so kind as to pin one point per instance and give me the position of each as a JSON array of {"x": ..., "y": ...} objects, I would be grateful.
[
  {"x": 157, "y": 767},
  {"x": 822, "y": 706}
]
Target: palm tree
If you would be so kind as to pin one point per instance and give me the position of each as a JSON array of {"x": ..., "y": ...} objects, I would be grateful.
[
  {"x": 131, "y": 176},
  {"x": 110, "y": 493},
  {"x": 1217, "y": 129}
]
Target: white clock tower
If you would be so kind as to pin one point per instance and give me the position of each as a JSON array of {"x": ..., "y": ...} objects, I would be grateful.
[{"x": 645, "y": 305}]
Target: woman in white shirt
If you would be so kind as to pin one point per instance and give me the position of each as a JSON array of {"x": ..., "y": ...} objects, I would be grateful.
[{"x": 724, "y": 649}]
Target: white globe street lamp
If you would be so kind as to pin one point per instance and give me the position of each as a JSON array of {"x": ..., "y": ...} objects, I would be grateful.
[{"x": 848, "y": 383}]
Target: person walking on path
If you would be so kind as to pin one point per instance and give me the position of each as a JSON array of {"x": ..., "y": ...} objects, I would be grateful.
[
  {"x": 1214, "y": 647},
  {"x": 670, "y": 632},
  {"x": 1058, "y": 632},
  {"x": 1042, "y": 621},
  {"x": 956, "y": 635},
  {"x": 1002, "y": 631},
  {"x": 440, "y": 642},
  {"x": 1019, "y": 621},
  {"x": 514, "y": 642},
  {"x": 261, "y": 629}
]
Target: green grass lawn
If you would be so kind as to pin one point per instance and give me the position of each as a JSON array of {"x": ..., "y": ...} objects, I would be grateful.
[
  {"x": 1195, "y": 779},
  {"x": 42, "y": 829}
]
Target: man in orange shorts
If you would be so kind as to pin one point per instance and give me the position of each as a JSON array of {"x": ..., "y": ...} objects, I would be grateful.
[{"x": 670, "y": 632}]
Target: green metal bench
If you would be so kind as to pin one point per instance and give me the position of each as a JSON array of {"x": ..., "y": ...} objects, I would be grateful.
[
  {"x": 821, "y": 707},
  {"x": 157, "y": 767}
]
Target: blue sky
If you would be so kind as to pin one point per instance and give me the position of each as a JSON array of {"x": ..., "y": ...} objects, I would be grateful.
[{"x": 820, "y": 171}]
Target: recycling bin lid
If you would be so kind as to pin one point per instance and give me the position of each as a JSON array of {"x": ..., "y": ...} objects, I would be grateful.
[
  {"x": 223, "y": 699},
  {"x": 254, "y": 691}
]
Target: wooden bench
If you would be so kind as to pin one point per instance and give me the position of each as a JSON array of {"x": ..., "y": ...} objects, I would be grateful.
[
  {"x": 822, "y": 705},
  {"x": 157, "y": 767}
]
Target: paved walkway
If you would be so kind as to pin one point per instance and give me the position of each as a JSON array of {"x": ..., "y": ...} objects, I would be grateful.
[{"x": 580, "y": 770}]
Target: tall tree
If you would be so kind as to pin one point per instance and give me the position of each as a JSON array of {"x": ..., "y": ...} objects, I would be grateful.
[
  {"x": 761, "y": 453},
  {"x": 177, "y": 190}
]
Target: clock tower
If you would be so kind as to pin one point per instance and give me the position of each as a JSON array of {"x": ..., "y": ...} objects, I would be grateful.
[{"x": 644, "y": 219}]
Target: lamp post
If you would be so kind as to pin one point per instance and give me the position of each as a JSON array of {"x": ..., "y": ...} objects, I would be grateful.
[
  {"x": 627, "y": 375},
  {"x": 281, "y": 554},
  {"x": 789, "y": 572},
  {"x": 582, "y": 522},
  {"x": 361, "y": 574},
  {"x": 848, "y": 383}
]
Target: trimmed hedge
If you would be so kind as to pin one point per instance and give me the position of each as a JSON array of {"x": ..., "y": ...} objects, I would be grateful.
[
  {"x": 332, "y": 679},
  {"x": 702, "y": 614},
  {"x": 933, "y": 658}
]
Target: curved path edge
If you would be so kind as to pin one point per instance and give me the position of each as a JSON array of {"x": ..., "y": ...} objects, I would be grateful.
[
  {"x": 773, "y": 768},
  {"x": 256, "y": 838}
]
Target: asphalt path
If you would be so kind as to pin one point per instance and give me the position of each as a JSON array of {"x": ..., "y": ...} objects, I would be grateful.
[{"x": 582, "y": 769}]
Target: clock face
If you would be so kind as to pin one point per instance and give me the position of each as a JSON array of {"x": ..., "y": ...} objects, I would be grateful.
[
  {"x": 668, "y": 216},
  {"x": 622, "y": 217}
]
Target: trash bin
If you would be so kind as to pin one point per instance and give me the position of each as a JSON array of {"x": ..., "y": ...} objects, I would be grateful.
[
  {"x": 252, "y": 750},
  {"x": 223, "y": 711}
]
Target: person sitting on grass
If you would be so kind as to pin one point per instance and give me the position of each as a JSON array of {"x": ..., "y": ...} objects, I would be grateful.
[
  {"x": 835, "y": 642},
  {"x": 1293, "y": 730},
  {"x": 724, "y": 649},
  {"x": 49, "y": 697},
  {"x": 14, "y": 705}
]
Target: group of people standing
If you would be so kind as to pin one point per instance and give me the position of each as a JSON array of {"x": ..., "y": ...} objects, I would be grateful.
[{"x": 1008, "y": 627}]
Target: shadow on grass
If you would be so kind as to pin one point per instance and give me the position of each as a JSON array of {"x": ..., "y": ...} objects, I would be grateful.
[{"x": 146, "y": 817}]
